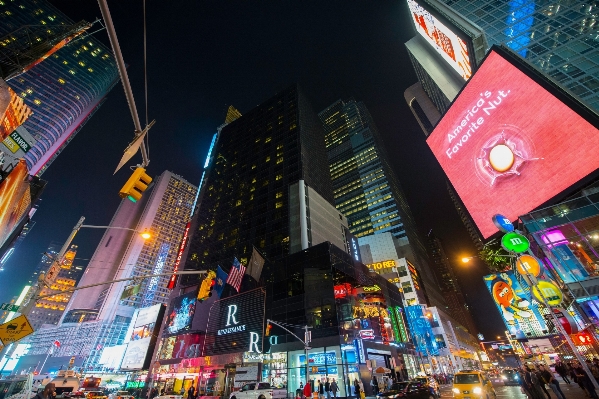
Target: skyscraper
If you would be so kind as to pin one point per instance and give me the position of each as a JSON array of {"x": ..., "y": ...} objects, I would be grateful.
[
  {"x": 164, "y": 212},
  {"x": 245, "y": 198},
  {"x": 365, "y": 187},
  {"x": 50, "y": 309},
  {"x": 65, "y": 89},
  {"x": 559, "y": 38},
  {"x": 448, "y": 284}
]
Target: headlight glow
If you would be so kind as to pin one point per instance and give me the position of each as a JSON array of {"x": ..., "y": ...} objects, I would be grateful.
[
  {"x": 455, "y": 390},
  {"x": 477, "y": 390},
  {"x": 503, "y": 377}
]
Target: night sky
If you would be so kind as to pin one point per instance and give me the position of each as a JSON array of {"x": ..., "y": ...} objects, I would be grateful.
[{"x": 203, "y": 57}]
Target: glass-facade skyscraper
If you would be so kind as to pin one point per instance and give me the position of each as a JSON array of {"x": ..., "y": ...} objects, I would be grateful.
[
  {"x": 561, "y": 38},
  {"x": 365, "y": 188},
  {"x": 65, "y": 89}
]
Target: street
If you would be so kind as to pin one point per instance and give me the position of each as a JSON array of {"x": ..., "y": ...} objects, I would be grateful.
[{"x": 571, "y": 391}]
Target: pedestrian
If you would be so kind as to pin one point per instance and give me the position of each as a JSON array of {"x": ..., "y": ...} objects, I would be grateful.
[
  {"x": 307, "y": 390},
  {"x": 362, "y": 391},
  {"x": 533, "y": 384},
  {"x": 356, "y": 387},
  {"x": 49, "y": 392},
  {"x": 327, "y": 388},
  {"x": 523, "y": 384},
  {"x": 374, "y": 384},
  {"x": 587, "y": 384},
  {"x": 549, "y": 379},
  {"x": 541, "y": 381},
  {"x": 320, "y": 390},
  {"x": 191, "y": 392},
  {"x": 334, "y": 388},
  {"x": 594, "y": 368},
  {"x": 562, "y": 370}
]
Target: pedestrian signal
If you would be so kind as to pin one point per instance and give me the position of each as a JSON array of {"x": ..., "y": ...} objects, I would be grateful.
[
  {"x": 268, "y": 328},
  {"x": 136, "y": 185}
]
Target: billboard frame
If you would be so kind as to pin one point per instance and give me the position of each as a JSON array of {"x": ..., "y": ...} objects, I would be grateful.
[{"x": 560, "y": 93}]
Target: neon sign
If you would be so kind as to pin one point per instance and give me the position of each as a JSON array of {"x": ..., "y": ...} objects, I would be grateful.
[
  {"x": 381, "y": 265},
  {"x": 173, "y": 280}
]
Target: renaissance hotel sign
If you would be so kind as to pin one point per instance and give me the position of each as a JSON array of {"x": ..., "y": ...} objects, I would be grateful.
[{"x": 236, "y": 324}]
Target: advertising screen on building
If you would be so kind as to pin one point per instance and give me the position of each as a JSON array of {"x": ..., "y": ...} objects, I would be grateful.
[
  {"x": 520, "y": 314},
  {"x": 142, "y": 337},
  {"x": 452, "y": 48},
  {"x": 508, "y": 145},
  {"x": 236, "y": 324},
  {"x": 180, "y": 313},
  {"x": 15, "y": 200}
]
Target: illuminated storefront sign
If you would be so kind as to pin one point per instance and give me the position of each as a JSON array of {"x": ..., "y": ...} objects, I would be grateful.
[
  {"x": 366, "y": 311},
  {"x": 360, "y": 351},
  {"x": 386, "y": 264},
  {"x": 520, "y": 314},
  {"x": 366, "y": 334},
  {"x": 236, "y": 324},
  {"x": 504, "y": 134},
  {"x": 373, "y": 288},
  {"x": 355, "y": 249},
  {"x": 173, "y": 280}
]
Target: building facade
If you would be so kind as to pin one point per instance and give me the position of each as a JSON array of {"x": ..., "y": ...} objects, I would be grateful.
[
  {"x": 65, "y": 89},
  {"x": 49, "y": 310},
  {"x": 245, "y": 199},
  {"x": 449, "y": 285},
  {"x": 559, "y": 38}
]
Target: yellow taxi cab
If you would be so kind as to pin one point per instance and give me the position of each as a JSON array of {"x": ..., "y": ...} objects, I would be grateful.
[{"x": 472, "y": 384}]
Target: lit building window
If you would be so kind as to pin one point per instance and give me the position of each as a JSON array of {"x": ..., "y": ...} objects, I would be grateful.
[
  {"x": 279, "y": 160},
  {"x": 37, "y": 102},
  {"x": 61, "y": 81},
  {"x": 267, "y": 159},
  {"x": 279, "y": 194},
  {"x": 279, "y": 177},
  {"x": 267, "y": 140}
]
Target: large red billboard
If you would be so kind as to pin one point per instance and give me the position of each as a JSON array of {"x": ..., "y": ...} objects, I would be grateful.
[{"x": 508, "y": 145}]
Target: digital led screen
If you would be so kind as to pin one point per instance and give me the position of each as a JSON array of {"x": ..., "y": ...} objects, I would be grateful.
[
  {"x": 236, "y": 324},
  {"x": 142, "y": 337},
  {"x": 421, "y": 330},
  {"x": 15, "y": 200},
  {"x": 452, "y": 48},
  {"x": 180, "y": 313},
  {"x": 519, "y": 313},
  {"x": 508, "y": 145}
]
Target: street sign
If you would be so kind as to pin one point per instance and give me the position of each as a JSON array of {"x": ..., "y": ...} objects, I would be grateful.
[
  {"x": 52, "y": 273},
  {"x": 515, "y": 242},
  {"x": 503, "y": 223},
  {"x": 527, "y": 264},
  {"x": 550, "y": 292},
  {"x": 9, "y": 307},
  {"x": 15, "y": 329}
]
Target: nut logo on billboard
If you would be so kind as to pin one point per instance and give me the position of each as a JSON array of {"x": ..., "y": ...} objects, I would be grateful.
[{"x": 508, "y": 143}]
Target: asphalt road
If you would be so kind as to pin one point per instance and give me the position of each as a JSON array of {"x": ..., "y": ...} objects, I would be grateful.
[{"x": 571, "y": 391}]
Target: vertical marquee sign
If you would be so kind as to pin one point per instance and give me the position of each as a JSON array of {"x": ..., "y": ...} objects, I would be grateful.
[{"x": 236, "y": 324}]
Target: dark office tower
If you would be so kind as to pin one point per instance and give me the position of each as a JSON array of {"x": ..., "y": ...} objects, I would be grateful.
[
  {"x": 65, "y": 89},
  {"x": 448, "y": 284},
  {"x": 246, "y": 194},
  {"x": 365, "y": 188}
]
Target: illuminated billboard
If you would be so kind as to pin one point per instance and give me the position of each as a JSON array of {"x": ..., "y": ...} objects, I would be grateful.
[
  {"x": 236, "y": 324},
  {"x": 142, "y": 337},
  {"x": 508, "y": 144},
  {"x": 180, "y": 313},
  {"x": 15, "y": 200},
  {"x": 448, "y": 44},
  {"x": 519, "y": 312}
]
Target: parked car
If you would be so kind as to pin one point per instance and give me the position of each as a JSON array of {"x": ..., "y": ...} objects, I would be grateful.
[
  {"x": 408, "y": 390},
  {"x": 258, "y": 390},
  {"x": 432, "y": 384}
]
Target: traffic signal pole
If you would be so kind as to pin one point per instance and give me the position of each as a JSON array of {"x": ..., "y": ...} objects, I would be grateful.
[
  {"x": 120, "y": 62},
  {"x": 306, "y": 341}
]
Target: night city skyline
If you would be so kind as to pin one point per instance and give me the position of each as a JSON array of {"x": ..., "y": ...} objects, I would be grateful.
[{"x": 201, "y": 59}]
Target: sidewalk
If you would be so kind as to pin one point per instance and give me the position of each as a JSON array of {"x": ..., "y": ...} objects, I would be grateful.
[{"x": 571, "y": 391}]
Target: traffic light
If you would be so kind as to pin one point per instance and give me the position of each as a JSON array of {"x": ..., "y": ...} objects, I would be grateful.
[
  {"x": 136, "y": 185},
  {"x": 206, "y": 287},
  {"x": 268, "y": 328}
]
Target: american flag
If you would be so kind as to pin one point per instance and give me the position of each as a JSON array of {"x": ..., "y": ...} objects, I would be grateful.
[{"x": 236, "y": 274}]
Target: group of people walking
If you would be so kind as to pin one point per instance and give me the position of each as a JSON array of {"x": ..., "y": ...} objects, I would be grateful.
[
  {"x": 324, "y": 388},
  {"x": 535, "y": 380}
]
